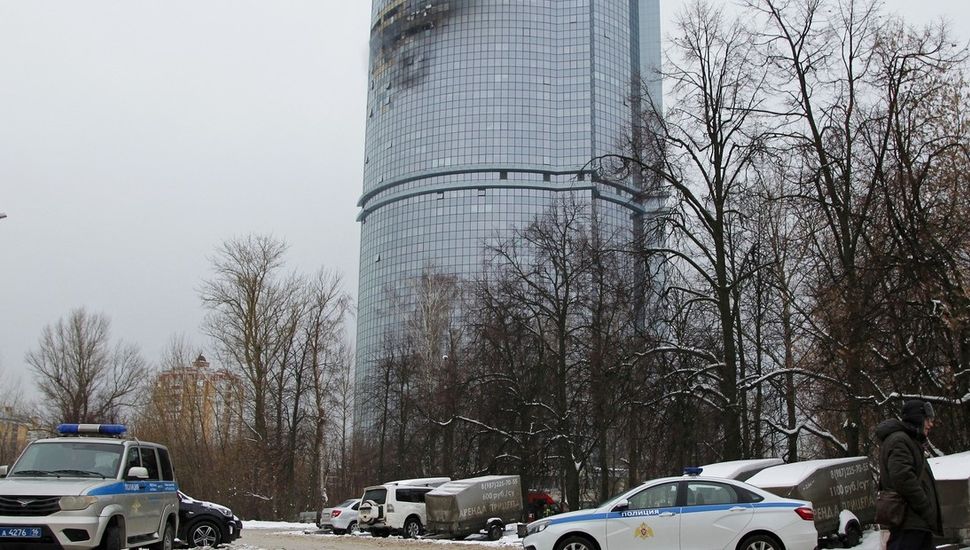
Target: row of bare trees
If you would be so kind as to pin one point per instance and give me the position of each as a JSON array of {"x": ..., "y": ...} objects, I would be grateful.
[
  {"x": 280, "y": 334},
  {"x": 808, "y": 272},
  {"x": 268, "y": 432}
]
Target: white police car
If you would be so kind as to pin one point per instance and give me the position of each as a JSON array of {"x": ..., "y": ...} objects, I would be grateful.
[
  {"x": 100, "y": 492},
  {"x": 687, "y": 513}
]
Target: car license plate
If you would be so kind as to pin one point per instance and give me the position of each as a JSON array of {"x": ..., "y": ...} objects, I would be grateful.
[{"x": 20, "y": 532}]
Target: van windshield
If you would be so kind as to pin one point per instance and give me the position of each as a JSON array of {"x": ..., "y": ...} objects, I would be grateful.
[{"x": 69, "y": 458}]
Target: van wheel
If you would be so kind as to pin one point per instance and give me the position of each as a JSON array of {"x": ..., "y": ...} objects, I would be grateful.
[
  {"x": 112, "y": 539},
  {"x": 412, "y": 528},
  {"x": 168, "y": 539},
  {"x": 495, "y": 531},
  {"x": 759, "y": 542}
]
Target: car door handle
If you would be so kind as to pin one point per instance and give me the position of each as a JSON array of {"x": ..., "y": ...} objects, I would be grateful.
[
  {"x": 737, "y": 509},
  {"x": 666, "y": 514}
]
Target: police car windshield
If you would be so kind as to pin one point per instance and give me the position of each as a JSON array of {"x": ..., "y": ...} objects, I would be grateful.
[{"x": 69, "y": 458}]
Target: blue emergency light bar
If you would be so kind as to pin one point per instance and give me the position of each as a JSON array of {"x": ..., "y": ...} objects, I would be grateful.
[
  {"x": 103, "y": 429},
  {"x": 693, "y": 471}
]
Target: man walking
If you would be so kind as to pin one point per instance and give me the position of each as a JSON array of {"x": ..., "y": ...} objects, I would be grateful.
[{"x": 903, "y": 468}]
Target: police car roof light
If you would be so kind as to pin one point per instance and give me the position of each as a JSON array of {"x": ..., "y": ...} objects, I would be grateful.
[
  {"x": 103, "y": 429},
  {"x": 693, "y": 471}
]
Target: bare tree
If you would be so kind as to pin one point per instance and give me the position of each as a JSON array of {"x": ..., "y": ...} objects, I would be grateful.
[
  {"x": 279, "y": 331},
  {"x": 82, "y": 376},
  {"x": 842, "y": 77},
  {"x": 248, "y": 300},
  {"x": 704, "y": 150}
]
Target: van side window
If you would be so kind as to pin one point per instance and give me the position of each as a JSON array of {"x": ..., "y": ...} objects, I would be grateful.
[
  {"x": 165, "y": 464},
  {"x": 412, "y": 495},
  {"x": 150, "y": 462},
  {"x": 132, "y": 461}
]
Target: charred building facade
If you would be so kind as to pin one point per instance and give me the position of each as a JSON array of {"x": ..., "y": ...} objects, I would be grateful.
[{"x": 479, "y": 114}]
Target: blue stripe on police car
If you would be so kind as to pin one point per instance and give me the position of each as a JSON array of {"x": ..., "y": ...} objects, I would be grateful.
[{"x": 127, "y": 487}]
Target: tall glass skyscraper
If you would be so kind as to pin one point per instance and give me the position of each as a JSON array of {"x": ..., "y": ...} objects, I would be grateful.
[{"x": 479, "y": 114}]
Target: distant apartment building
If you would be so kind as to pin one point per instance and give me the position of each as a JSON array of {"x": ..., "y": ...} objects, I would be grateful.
[
  {"x": 202, "y": 398},
  {"x": 16, "y": 430}
]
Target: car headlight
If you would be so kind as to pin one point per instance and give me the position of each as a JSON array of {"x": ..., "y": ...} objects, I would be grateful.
[
  {"x": 537, "y": 526},
  {"x": 72, "y": 504},
  {"x": 221, "y": 509}
]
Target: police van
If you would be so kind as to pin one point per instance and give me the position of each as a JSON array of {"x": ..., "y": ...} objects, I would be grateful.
[{"x": 89, "y": 488}]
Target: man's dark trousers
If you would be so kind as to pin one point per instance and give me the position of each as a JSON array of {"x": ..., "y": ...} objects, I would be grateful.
[{"x": 910, "y": 539}]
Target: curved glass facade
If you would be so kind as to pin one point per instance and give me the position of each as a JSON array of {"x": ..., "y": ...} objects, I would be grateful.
[{"x": 481, "y": 112}]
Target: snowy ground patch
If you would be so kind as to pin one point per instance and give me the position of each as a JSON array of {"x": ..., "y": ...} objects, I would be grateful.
[
  {"x": 511, "y": 538},
  {"x": 280, "y": 525}
]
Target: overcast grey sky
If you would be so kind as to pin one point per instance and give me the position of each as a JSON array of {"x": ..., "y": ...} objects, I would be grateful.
[{"x": 136, "y": 136}]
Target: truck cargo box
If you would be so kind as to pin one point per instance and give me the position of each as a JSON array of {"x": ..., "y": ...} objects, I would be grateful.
[
  {"x": 952, "y": 473},
  {"x": 466, "y": 506},
  {"x": 831, "y": 485}
]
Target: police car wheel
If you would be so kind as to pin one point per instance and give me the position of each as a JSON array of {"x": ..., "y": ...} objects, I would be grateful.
[
  {"x": 352, "y": 528},
  {"x": 112, "y": 538},
  {"x": 759, "y": 542},
  {"x": 168, "y": 539},
  {"x": 204, "y": 533},
  {"x": 575, "y": 543}
]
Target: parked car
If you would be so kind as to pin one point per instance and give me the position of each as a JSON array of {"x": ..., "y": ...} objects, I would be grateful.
[
  {"x": 203, "y": 523},
  {"x": 688, "y": 512},
  {"x": 342, "y": 518},
  {"x": 396, "y": 507}
]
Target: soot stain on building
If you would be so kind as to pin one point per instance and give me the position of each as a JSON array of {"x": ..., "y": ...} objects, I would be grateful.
[{"x": 401, "y": 35}]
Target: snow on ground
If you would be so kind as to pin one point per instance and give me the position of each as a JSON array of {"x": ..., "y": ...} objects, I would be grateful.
[
  {"x": 871, "y": 540},
  {"x": 511, "y": 538},
  {"x": 280, "y": 525}
]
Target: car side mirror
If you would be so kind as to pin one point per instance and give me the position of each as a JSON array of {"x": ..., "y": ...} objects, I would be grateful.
[
  {"x": 622, "y": 506},
  {"x": 3, "y": 471},
  {"x": 138, "y": 472}
]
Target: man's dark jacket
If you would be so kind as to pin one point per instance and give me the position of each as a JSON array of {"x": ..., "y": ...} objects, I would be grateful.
[{"x": 903, "y": 468}]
